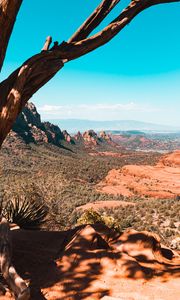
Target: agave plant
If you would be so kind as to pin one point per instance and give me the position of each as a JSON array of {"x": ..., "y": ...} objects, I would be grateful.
[{"x": 26, "y": 214}]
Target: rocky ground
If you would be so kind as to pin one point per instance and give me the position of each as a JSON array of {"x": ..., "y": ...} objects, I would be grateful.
[
  {"x": 89, "y": 262},
  {"x": 93, "y": 262},
  {"x": 104, "y": 204},
  {"x": 159, "y": 181}
]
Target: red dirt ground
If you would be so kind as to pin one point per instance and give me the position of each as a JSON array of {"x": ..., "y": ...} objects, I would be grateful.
[
  {"x": 104, "y": 204},
  {"x": 160, "y": 181},
  {"x": 94, "y": 262}
]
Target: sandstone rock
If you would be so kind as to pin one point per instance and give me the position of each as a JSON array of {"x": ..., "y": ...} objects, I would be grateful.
[
  {"x": 86, "y": 263},
  {"x": 105, "y": 136},
  {"x": 91, "y": 137},
  {"x": 67, "y": 136},
  {"x": 78, "y": 136},
  {"x": 160, "y": 181},
  {"x": 175, "y": 243}
]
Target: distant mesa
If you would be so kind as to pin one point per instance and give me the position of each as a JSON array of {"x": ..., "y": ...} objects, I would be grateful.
[{"x": 29, "y": 128}]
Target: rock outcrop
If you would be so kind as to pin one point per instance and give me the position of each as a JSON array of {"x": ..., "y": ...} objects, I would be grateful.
[
  {"x": 93, "y": 262},
  {"x": 67, "y": 137},
  {"x": 171, "y": 160},
  {"x": 160, "y": 181},
  {"x": 31, "y": 129},
  {"x": 91, "y": 137},
  {"x": 103, "y": 135},
  {"x": 78, "y": 137}
]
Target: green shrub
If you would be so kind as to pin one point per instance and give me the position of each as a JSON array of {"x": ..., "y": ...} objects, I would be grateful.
[{"x": 92, "y": 217}]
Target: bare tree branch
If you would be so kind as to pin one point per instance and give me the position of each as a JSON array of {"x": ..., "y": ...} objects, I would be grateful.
[
  {"x": 94, "y": 20},
  {"x": 47, "y": 43},
  {"x": 8, "y": 13},
  {"x": 77, "y": 49},
  {"x": 17, "y": 89}
]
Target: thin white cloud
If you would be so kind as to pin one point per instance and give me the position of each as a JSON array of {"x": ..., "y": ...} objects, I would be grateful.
[
  {"x": 86, "y": 109},
  {"x": 102, "y": 106},
  {"x": 51, "y": 108}
]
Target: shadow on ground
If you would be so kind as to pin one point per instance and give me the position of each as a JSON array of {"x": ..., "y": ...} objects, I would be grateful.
[{"x": 82, "y": 263}]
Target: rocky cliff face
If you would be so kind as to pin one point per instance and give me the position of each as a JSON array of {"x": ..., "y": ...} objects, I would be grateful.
[{"x": 29, "y": 128}]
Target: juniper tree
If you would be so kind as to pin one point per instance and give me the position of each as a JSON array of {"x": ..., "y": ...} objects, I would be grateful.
[{"x": 37, "y": 70}]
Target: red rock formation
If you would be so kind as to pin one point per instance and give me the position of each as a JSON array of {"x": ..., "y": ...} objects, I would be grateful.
[
  {"x": 67, "y": 136},
  {"x": 93, "y": 262},
  {"x": 91, "y": 137},
  {"x": 171, "y": 160},
  {"x": 104, "y": 204},
  {"x": 29, "y": 129},
  {"x": 160, "y": 181},
  {"x": 78, "y": 137},
  {"x": 105, "y": 136}
]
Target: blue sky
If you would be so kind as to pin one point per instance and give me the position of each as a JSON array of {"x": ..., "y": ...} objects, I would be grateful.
[{"x": 135, "y": 76}]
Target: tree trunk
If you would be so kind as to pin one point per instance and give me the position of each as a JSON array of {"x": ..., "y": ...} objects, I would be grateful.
[
  {"x": 15, "y": 282},
  {"x": 18, "y": 88},
  {"x": 8, "y": 13}
]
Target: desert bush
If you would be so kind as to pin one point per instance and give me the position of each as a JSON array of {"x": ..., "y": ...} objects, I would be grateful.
[
  {"x": 64, "y": 180},
  {"x": 92, "y": 217}
]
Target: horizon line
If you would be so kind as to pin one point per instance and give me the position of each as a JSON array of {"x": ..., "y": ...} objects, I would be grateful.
[{"x": 116, "y": 120}]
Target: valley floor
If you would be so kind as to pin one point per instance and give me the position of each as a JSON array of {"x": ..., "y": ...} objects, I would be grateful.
[{"x": 91, "y": 262}]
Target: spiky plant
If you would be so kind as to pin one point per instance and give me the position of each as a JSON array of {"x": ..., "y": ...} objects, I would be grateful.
[{"x": 26, "y": 214}]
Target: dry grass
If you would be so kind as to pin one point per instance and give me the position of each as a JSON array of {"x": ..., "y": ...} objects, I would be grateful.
[{"x": 63, "y": 180}]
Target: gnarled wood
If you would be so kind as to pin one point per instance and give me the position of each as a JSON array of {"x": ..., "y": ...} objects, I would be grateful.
[
  {"x": 16, "y": 90},
  {"x": 47, "y": 43},
  {"x": 94, "y": 20},
  {"x": 15, "y": 282},
  {"x": 8, "y": 13}
]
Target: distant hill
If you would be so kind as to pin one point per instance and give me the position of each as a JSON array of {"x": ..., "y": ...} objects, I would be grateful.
[
  {"x": 29, "y": 129},
  {"x": 74, "y": 125}
]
